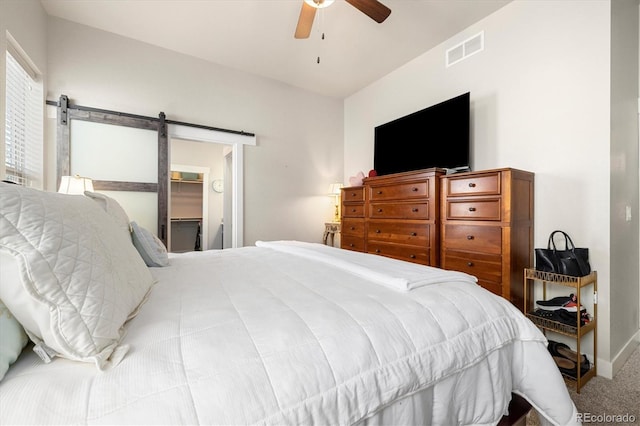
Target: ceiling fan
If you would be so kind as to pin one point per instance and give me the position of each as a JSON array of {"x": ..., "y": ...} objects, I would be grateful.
[{"x": 372, "y": 8}]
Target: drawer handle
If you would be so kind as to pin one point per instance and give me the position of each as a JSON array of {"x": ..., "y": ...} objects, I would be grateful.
[
  {"x": 469, "y": 263},
  {"x": 379, "y": 192},
  {"x": 353, "y": 245},
  {"x": 472, "y": 185},
  {"x": 353, "y": 194},
  {"x": 470, "y": 237},
  {"x": 353, "y": 210},
  {"x": 414, "y": 189},
  {"x": 413, "y": 234},
  {"x": 472, "y": 209},
  {"x": 412, "y": 256},
  {"x": 377, "y": 250},
  {"x": 415, "y": 210},
  {"x": 377, "y": 231},
  {"x": 379, "y": 210},
  {"x": 353, "y": 228}
]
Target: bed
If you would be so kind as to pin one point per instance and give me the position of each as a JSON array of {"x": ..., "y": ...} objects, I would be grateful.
[{"x": 282, "y": 332}]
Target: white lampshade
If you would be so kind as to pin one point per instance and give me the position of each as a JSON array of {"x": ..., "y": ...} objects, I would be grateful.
[
  {"x": 75, "y": 185},
  {"x": 334, "y": 188}
]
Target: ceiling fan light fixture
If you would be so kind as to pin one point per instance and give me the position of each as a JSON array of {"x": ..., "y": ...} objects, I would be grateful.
[{"x": 319, "y": 4}]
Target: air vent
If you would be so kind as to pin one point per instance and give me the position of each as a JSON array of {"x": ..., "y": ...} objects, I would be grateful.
[{"x": 461, "y": 51}]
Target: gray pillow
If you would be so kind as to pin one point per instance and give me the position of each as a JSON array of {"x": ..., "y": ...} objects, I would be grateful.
[{"x": 152, "y": 250}]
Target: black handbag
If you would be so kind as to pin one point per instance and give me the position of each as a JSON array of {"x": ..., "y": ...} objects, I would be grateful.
[{"x": 570, "y": 261}]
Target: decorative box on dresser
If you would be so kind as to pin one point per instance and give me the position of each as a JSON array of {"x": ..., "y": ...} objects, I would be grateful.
[
  {"x": 395, "y": 215},
  {"x": 487, "y": 228}
]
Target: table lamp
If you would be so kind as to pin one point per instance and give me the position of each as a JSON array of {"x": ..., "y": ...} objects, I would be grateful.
[{"x": 334, "y": 191}]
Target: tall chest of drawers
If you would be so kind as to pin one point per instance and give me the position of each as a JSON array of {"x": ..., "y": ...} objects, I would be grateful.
[
  {"x": 394, "y": 215},
  {"x": 487, "y": 228},
  {"x": 352, "y": 229}
]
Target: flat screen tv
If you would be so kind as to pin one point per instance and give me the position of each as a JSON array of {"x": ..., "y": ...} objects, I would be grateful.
[{"x": 437, "y": 136}]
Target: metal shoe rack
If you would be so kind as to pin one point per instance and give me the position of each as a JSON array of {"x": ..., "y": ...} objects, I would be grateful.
[{"x": 576, "y": 332}]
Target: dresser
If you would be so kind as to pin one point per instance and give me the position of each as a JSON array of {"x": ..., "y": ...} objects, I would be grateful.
[
  {"x": 487, "y": 228},
  {"x": 394, "y": 215},
  {"x": 476, "y": 222}
]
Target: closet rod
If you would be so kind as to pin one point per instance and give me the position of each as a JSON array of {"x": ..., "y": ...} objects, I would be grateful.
[{"x": 142, "y": 117}]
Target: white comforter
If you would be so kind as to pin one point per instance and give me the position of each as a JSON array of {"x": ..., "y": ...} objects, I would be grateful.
[{"x": 262, "y": 335}]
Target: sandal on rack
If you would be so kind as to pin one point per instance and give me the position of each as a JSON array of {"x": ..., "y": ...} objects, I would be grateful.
[
  {"x": 561, "y": 351},
  {"x": 568, "y": 367}
]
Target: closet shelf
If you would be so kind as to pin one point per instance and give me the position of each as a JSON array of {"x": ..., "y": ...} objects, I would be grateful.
[
  {"x": 186, "y": 219},
  {"x": 187, "y": 180}
]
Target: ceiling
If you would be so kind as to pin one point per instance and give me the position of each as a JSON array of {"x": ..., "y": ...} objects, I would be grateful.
[{"x": 256, "y": 36}]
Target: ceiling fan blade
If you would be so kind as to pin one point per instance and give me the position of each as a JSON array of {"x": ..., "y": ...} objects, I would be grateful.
[
  {"x": 372, "y": 8},
  {"x": 305, "y": 21}
]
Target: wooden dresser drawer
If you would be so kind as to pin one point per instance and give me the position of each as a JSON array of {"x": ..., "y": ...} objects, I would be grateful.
[
  {"x": 399, "y": 191},
  {"x": 399, "y": 210},
  {"x": 413, "y": 254},
  {"x": 482, "y": 209},
  {"x": 487, "y": 184},
  {"x": 493, "y": 286},
  {"x": 353, "y": 210},
  {"x": 399, "y": 232},
  {"x": 351, "y": 242},
  {"x": 484, "y": 239},
  {"x": 353, "y": 194},
  {"x": 484, "y": 267},
  {"x": 352, "y": 227}
]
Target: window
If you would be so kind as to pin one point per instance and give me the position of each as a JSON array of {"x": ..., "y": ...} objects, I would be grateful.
[{"x": 23, "y": 122}]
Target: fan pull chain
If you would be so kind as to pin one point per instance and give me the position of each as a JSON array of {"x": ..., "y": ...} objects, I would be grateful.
[{"x": 322, "y": 38}]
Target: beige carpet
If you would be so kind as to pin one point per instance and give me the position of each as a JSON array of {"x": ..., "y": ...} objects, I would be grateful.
[{"x": 608, "y": 402}]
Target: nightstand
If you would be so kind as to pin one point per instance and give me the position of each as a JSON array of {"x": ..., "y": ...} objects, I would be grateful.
[{"x": 330, "y": 231}]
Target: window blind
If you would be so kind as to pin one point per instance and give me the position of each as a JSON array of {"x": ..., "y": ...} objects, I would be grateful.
[{"x": 23, "y": 125}]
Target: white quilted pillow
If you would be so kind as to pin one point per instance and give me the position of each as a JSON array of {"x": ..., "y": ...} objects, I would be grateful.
[
  {"x": 112, "y": 207},
  {"x": 81, "y": 277}
]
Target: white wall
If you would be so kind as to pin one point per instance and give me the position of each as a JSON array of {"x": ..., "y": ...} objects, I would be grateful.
[
  {"x": 624, "y": 176},
  {"x": 297, "y": 154},
  {"x": 540, "y": 100}
]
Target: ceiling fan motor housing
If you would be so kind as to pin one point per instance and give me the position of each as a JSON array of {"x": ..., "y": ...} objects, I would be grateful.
[{"x": 318, "y": 4}]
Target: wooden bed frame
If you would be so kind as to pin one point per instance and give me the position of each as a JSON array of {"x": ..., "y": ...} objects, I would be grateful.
[{"x": 518, "y": 410}]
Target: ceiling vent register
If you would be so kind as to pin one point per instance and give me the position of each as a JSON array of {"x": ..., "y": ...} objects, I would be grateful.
[{"x": 463, "y": 50}]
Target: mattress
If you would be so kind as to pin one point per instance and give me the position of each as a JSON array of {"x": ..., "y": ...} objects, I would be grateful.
[{"x": 302, "y": 334}]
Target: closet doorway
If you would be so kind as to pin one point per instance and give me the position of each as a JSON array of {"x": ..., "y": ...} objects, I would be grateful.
[
  {"x": 231, "y": 148},
  {"x": 197, "y": 195},
  {"x": 188, "y": 208}
]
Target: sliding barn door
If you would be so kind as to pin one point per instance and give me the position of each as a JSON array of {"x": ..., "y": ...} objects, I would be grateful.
[{"x": 125, "y": 155}]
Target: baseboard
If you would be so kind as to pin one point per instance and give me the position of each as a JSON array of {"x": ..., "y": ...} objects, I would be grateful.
[
  {"x": 608, "y": 369},
  {"x": 623, "y": 355}
]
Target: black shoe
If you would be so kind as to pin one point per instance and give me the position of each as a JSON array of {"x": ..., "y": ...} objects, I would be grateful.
[
  {"x": 555, "y": 303},
  {"x": 569, "y": 303},
  {"x": 568, "y": 318}
]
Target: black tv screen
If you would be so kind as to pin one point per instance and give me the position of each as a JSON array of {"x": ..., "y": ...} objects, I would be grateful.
[{"x": 437, "y": 136}]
